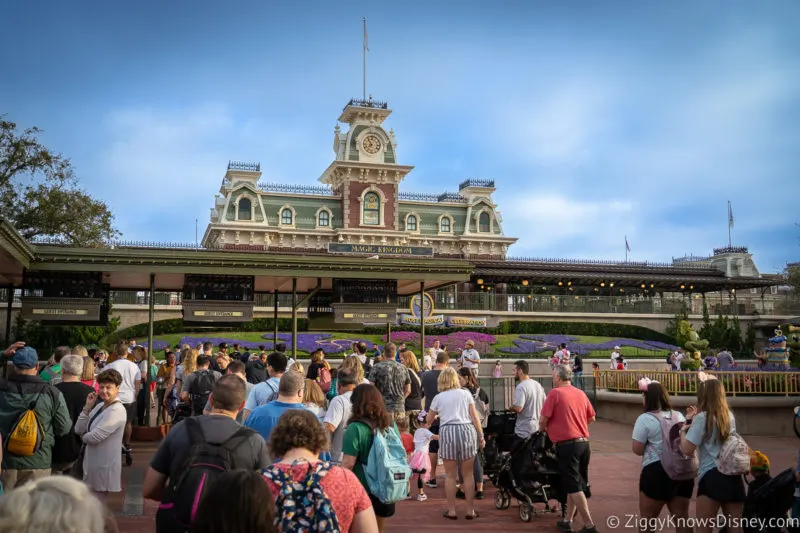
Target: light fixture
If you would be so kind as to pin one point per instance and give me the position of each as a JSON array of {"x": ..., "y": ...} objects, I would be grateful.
[
  {"x": 733, "y": 290},
  {"x": 560, "y": 283},
  {"x": 691, "y": 286},
  {"x": 603, "y": 284},
  {"x": 529, "y": 297},
  {"x": 643, "y": 285},
  {"x": 525, "y": 282},
  {"x": 596, "y": 289},
  {"x": 569, "y": 284},
  {"x": 480, "y": 281},
  {"x": 611, "y": 284},
  {"x": 622, "y": 290},
  {"x": 570, "y": 289},
  {"x": 683, "y": 286},
  {"x": 651, "y": 285},
  {"x": 488, "y": 288}
]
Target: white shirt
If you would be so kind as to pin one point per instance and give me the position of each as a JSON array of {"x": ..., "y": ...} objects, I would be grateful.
[
  {"x": 453, "y": 406},
  {"x": 130, "y": 375},
  {"x": 677, "y": 364},
  {"x": 472, "y": 353},
  {"x": 337, "y": 416},
  {"x": 614, "y": 356},
  {"x": 422, "y": 440}
]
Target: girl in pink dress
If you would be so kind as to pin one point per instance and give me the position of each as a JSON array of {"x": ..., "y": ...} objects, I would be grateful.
[{"x": 420, "y": 461}]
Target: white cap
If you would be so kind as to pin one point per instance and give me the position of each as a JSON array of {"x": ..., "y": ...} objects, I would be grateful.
[{"x": 616, "y": 347}]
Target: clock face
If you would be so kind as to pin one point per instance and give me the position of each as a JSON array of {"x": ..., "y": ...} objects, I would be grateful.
[{"x": 371, "y": 144}]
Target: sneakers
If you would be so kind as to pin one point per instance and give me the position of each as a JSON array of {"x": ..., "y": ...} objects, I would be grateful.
[
  {"x": 586, "y": 529},
  {"x": 564, "y": 525},
  {"x": 479, "y": 495},
  {"x": 422, "y": 497},
  {"x": 431, "y": 484}
]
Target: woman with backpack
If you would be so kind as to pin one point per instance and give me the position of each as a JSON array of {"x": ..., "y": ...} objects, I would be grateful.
[
  {"x": 656, "y": 486},
  {"x": 369, "y": 416},
  {"x": 468, "y": 382},
  {"x": 413, "y": 403},
  {"x": 712, "y": 431},
  {"x": 313, "y": 496}
]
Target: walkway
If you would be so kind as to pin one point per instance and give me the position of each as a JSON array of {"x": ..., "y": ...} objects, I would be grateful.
[{"x": 614, "y": 474}]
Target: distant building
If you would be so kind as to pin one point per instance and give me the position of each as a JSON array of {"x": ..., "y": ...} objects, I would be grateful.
[{"x": 359, "y": 204}]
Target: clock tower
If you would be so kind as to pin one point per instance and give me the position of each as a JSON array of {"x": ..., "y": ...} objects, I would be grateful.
[{"x": 365, "y": 171}]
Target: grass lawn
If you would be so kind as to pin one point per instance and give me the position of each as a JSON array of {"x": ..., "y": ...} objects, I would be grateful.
[{"x": 502, "y": 341}]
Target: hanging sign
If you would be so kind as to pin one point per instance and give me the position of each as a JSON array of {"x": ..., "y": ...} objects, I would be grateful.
[
  {"x": 353, "y": 313},
  {"x": 217, "y": 312},
  {"x": 61, "y": 310}
]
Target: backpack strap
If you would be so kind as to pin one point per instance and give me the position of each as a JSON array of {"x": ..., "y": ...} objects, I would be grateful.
[
  {"x": 196, "y": 435},
  {"x": 237, "y": 439}
]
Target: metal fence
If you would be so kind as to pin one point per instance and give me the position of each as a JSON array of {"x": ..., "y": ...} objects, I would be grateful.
[
  {"x": 739, "y": 383},
  {"x": 501, "y": 390}
]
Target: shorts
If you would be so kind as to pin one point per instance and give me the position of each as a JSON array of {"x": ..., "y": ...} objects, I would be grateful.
[
  {"x": 573, "y": 463},
  {"x": 382, "y": 510},
  {"x": 657, "y": 485},
  {"x": 458, "y": 442},
  {"x": 130, "y": 411},
  {"x": 433, "y": 447},
  {"x": 721, "y": 488}
]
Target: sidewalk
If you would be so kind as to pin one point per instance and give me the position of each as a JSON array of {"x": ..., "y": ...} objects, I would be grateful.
[{"x": 613, "y": 472}]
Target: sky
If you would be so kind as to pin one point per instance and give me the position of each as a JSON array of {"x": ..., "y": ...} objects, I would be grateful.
[{"x": 597, "y": 120}]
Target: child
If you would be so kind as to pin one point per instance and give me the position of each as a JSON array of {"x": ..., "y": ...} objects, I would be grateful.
[
  {"x": 498, "y": 370},
  {"x": 405, "y": 435},
  {"x": 621, "y": 363},
  {"x": 759, "y": 469},
  {"x": 420, "y": 461}
]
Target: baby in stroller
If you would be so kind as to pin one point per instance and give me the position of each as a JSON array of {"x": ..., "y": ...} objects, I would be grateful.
[{"x": 767, "y": 497}]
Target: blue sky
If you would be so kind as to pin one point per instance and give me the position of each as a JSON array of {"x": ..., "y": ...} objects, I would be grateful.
[{"x": 596, "y": 119}]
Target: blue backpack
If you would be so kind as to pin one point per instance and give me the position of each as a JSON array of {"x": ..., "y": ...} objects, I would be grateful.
[
  {"x": 387, "y": 470},
  {"x": 302, "y": 505}
]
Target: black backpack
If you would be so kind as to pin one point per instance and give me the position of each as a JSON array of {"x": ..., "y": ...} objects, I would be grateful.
[
  {"x": 200, "y": 389},
  {"x": 204, "y": 463}
]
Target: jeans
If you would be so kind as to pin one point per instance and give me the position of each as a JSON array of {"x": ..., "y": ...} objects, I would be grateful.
[{"x": 577, "y": 379}]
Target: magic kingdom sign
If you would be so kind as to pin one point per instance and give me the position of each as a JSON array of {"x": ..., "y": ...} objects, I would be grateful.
[{"x": 380, "y": 249}]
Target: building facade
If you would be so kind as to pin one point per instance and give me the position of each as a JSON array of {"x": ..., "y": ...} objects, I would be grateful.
[{"x": 359, "y": 202}]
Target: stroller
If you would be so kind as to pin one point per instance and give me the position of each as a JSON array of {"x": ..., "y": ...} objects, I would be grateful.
[
  {"x": 499, "y": 435},
  {"x": 530, "y": 474},
  {"x": 773, "y": 500}
]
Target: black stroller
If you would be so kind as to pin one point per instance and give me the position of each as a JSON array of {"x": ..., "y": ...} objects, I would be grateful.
[
  {"x": 499, "y": 435},
  {"x": 772, "y": 500},
  {"x": 530, "y": 474}
]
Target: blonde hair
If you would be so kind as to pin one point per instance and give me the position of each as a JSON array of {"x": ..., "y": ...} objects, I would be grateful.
[
  {"x": 139, "y": 353},
  {"x": 715, "y": 405},
  {"x": 448, "y": 379},
  {"x": 355, "y": 365},
  {"x": 313, "y": 394},
  {"x": 410, "y": 360},
  {"x": 53, "y": 504},
  {"x": 190, "y": 361},
  {"x": 88, "y": 369},
  {"x": 80, "y": 350},
  {"x": 297, "y": 366}
]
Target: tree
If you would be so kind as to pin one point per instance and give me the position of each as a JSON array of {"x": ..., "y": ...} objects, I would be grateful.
[
  {"x": 39, "y": 193},
  {"x": 792, "y": 275}
]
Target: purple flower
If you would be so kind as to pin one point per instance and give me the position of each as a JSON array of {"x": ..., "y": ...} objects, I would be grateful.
[{"x": 157, "y": 345}]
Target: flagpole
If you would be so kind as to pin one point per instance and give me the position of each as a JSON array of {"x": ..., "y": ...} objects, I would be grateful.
[
  {"x": 626, "y": 248},
  {"x": 730, "y": 212},
  {"x": 364, "y": 53}
]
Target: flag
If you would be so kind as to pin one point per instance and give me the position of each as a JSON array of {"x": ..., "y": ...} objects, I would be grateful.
[
  {"x": 627, "y": 246},
  {"x": 366, "y": 40},
  {"x": 730, "y": 215}
]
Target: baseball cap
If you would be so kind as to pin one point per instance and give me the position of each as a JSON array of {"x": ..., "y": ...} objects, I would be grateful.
[{"x": 25, "y": 358}]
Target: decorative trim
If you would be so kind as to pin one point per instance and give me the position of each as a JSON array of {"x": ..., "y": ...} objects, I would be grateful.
[
  {"x": 330, "y": 218},
  {"x": 477, "y": 218},
  {"x": 439, "y": 225},
  {"x": 382, "y": 213},
  {"x": 419, "y": 223}
]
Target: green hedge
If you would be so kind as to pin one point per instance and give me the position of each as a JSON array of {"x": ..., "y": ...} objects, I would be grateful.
[
  {"x": 176, "y": 325},
  {"x": 542, "y": 328}
]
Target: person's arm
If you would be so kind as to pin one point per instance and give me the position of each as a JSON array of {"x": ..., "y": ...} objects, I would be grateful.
[
  {"x": 62, "y": 421},
  {"x": 153, "y": 486},
  {"x": 348, "y": 461},
  {"x": 519, "y": 400},
  {"x": 207, "y": 408},
  {"x": 334, "y": 416},
  {"x": 186, "y": 390},
  {"x": 692, "y": 435},
  {"x": 639, "y": 437},
  {"x": 547, "y": 411},
  {"x": 476, "y": 421},
  {"x": 114, "y": 419},
  {"x": 364, "y": 522}
]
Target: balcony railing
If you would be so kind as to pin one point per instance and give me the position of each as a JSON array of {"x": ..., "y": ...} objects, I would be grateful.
[{"x": 739, "y": 383}]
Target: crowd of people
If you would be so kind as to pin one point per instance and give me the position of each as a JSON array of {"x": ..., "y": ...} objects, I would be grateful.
[{"x": 322, "y": 449}]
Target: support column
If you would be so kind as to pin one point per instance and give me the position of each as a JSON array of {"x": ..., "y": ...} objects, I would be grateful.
[
  {"x": 422, "y": 318},
  {"x": 388, "y": 332},
  {"x": 151, "y": 315},
  {"x": 9, "y": 308},
  {"x": 275, "y": 319},
  {"x": 294, "y": 318}
]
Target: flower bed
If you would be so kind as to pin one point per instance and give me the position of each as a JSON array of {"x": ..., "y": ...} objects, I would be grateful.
[
  {"x": 306, "y": 342},
  {"x": 533, "y": 344},
  {"x": 453, "y": 341}
]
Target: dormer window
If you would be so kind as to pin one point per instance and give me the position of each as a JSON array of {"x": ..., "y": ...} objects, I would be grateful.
[
  {"x": 411, "y": 223},
  {"x": 324, "y": 219},
  {"x": 445, "y": 226},
  {"x": 245, "y": 209},
  {"x": 484, "y": 223},
  {"x": 287, "y": 217}
]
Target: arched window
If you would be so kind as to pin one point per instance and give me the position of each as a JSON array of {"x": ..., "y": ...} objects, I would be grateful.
[
  {"x": 245, "y": 209},
  {"x": 286, "y": 217},
  {"x": 484, "y": 223},
  {"x": 444, "y": 225},
  {"x": 324, "y": 219},
  {"x": 411, "y": 223},
  {"x": 371, "y": 209}
]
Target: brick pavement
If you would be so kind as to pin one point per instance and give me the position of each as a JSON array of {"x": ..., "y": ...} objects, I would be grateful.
[{"x": 614, "y": 474}]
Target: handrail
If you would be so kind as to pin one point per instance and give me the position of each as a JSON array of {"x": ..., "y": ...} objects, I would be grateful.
[{"x": 736, "y": 383}]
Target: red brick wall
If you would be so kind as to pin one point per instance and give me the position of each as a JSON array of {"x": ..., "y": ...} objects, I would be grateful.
[{"x": 389, "y": 192}]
